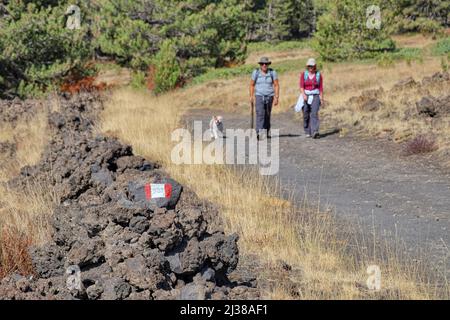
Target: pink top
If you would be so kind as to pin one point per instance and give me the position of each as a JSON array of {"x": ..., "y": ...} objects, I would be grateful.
[{"x": 311, "y": 83}]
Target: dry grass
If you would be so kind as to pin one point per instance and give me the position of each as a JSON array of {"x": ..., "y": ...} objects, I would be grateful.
[
  {"x": 281, "y": 56},
  {"x": 392, "y": 119},
  {"x": 24, "y": 214},
  {"x": 13, "y": 253},
  {"x": 420, "y": 144},
  {"x": 28, "y": 211},
  {"x": 30, "y": 138},
  {"x": 268, "y": 227},
  {"x": 342, "y": 81},
  {"x": 413, "y": 41}
]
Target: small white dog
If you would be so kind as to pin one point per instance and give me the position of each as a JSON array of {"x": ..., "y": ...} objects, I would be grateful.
[{"x": 216, "y": 127}]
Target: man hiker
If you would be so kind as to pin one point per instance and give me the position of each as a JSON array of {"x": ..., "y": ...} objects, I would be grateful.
[
  {"x": 264, "y": 92},
  {"x": 311, "y": 88}
]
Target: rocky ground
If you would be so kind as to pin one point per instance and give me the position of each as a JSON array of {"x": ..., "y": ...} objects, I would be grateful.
[
  {"x": 428, "y": 105},
  {"x": 13, "y": 110},
  {"x": 109, "y": 234}
]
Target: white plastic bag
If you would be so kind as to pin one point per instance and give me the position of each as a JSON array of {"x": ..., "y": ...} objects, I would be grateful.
[{"x": 300, "y": 104}]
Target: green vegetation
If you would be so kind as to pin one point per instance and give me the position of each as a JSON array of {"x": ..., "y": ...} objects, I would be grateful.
[
  {"x": 37, "y": 52},
  {"x": 407, "y": 54},
  {"x": 425, "y": 16},
  {"x": 138, "y": 80},
  {"x": 168, "y": 70},
  {"x": 403, "y": 54},
  {"x": 280, "y": 19},
  {"x": 278, "y": 46},
  {"x": 343, "y": 34},
  {"x": 442, "y": 47},
  {"x": 126, "y": 40}
]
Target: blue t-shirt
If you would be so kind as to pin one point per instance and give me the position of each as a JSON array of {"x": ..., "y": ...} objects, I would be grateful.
[{"x": 264, "y": 85}]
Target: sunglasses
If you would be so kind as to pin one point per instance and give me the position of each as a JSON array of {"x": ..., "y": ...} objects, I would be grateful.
[{"x": 264, "y": 64}]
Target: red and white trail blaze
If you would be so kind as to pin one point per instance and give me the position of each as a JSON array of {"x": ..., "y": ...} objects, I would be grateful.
[{"x": 155, "y": 190}]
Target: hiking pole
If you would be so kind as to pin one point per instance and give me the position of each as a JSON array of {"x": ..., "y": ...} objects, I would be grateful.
[{"x": 252, "y": 111}]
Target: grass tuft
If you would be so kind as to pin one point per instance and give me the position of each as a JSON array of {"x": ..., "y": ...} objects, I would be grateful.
[
  {"x": 419, "y": 145},
  {"x": 14, "y": 257}
]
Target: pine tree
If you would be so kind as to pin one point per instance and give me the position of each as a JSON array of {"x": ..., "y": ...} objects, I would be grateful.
[
  {"x": 285, "y": 19},
  {"x": 36, "y": 49},
  {"x": 280, "y": 19},
  {"x": 343, "y": 33},
  {"x": 303, "y": 21},
  {"x": 428, "y": 16}
]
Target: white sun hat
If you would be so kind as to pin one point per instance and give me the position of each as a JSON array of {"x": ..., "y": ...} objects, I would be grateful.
[{"x": 311, "y": 62}]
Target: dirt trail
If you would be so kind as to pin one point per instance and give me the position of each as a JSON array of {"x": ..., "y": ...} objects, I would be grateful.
[{"x": 404, "y": 201}]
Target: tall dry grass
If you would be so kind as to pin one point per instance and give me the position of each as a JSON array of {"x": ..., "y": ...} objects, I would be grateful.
[
  {"x": 30, "y": 138},
  {"x": 24, "y": 213},
  {"x": 269, "y": 227},
  {"x": 392, "y": 119}
]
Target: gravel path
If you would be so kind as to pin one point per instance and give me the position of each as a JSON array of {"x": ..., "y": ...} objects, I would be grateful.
[{"x": 404, "y": 201}]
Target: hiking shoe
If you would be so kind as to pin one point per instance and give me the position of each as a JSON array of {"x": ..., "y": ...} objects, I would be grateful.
[{"x": 316, "y": 135}]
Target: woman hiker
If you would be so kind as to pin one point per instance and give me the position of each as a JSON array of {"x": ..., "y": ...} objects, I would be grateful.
[
  {"x": 265, "y": 89},
  {"x": 311, "y": 88}
]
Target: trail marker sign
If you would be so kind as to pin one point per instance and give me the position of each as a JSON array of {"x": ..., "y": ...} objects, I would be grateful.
[
  {"x": 162, "y": 193},
  {"x": 158, "y": 190}
]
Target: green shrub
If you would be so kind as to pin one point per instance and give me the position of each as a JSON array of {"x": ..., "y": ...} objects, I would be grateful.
[
  {"x": 406, "y": 54},
  {"x": 37, "y": 51},
  {"x": 424, "y": 16},
  {"x": 421, "y": 25},
  {"x": 167, "y": 68},
  {"x": 385, "y": 60},
  {"x": 342, "y": 33},
  {"x": 138, "y": 80},
  {"x": 442, "y": 47},
  {"x": 128, "y": 41}
]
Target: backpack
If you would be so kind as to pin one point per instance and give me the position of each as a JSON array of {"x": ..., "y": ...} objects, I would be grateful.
[
  {"x": 306, "y": 75},
  {"x": 270, "y": 73}
]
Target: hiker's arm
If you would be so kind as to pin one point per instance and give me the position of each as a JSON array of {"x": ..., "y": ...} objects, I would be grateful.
[
  {"x": 276, "y": 86},
  {"x": 302, "y": 86},
  {"x": 252, "y": 91}
]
